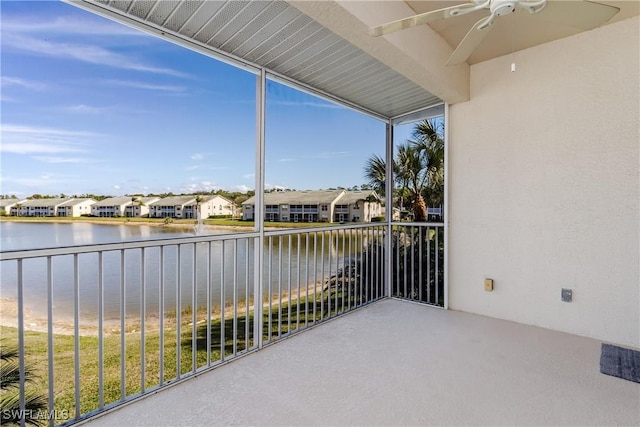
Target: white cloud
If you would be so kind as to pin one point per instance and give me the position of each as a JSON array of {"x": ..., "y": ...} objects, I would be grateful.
[
  {"x": 116, "y": 186},
  {"x": 33, "y": 148},
  {"x": 146, "y": 86},
  {"x": 286, "y": 160},
  {"x": 92, "y": 54},
  {"x": 20, "y": 139},
  {"x": 58, "y": 159},
  {"x": 239, "y": 187},
  {"x": 199, "y": 186},
  {"x": 86, "y": 109},
  {"x": 34, "y": 130},
  {"x": 268, "y": 186},
  {"x": 197, "y": 156},
  {"x": 27, "y": 84},
  {"x": 40, "y": 181},
  {"x": 70, "y": 25}
]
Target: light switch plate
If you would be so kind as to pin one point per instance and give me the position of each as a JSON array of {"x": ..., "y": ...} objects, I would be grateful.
[
  {"x": 567, "y": 295},
  {"x": 488, "y": 285}
]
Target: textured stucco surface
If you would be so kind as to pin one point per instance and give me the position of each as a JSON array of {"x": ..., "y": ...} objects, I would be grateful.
[
  {"x": 399, "y": 363},
  {"x": 545, "y": 186}
]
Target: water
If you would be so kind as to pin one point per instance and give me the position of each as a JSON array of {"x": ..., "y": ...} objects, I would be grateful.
[
  {"x": 37, "y": 235},
  {"x": 231, "y": 262}
]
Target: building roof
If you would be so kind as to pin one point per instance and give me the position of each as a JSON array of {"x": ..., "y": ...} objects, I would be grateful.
[
  {"x": 298, "y": 197},
  {"x": 44, "y": 202},
  {"x": 147, "y": 200},
  {"x": 74, "y": 202},
  {"x": 206, "y": 199},
  {"x": 10, "y": 202},
  {"x": 173, "y": 201},
  {"x": 351, "y": 197},
  {"x": 114, "y": 201}
]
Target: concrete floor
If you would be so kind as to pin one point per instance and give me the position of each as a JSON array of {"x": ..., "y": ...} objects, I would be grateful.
[{"x": 398, "y": 363}]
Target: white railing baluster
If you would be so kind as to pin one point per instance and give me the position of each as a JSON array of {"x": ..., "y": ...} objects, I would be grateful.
[
  {"x": 50, "y": 350},
  {"x": 161, "y": 315},
  {"x": 100, "y": 330},
  {"x": 21, "y": 350},
  {"x": 76, "y": 332}
]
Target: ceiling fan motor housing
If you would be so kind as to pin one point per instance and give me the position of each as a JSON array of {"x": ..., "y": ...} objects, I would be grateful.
[{"x": 502, "y": 7}]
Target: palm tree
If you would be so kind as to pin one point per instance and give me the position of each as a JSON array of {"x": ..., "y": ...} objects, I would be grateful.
[
  {"x": 418, "y": 169},
  {"x": 35, "y": 402},
  {"x": 136, "y": 200},
  {"x": 412, "y": 174},
  {"x": 375, "y": 171},
  {"x": 428, "y": 140},
  {"x": 199, "y": 199},
  {"x": 371, "y": 198}
]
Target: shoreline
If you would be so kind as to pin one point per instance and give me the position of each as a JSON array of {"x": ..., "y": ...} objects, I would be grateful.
[
  {"x": 89, "y": 327},
  {"x": 123, "y": 221}
]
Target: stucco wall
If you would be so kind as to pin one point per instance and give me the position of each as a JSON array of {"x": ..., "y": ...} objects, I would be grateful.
[{"x": 545, "y": 186}]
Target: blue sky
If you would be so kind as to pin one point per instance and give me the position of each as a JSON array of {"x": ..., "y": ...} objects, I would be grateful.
[{"x": 92, "y": 106}]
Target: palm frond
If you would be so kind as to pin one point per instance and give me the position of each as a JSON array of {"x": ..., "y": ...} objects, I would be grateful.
[
  {"x": 35, "y": 404},
  {"x": 375, "y": 172}
]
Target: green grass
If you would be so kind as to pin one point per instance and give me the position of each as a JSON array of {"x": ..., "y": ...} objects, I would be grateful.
[{"x": 293, "y": 316}]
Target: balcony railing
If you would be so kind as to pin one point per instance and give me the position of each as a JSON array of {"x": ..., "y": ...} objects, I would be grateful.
[
  {"x": 417, "y": 262},
  {"x": 125, "y": 319}
]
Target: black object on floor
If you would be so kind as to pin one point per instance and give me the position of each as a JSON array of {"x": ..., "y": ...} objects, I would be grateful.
[{"x": 620, "y": 362}]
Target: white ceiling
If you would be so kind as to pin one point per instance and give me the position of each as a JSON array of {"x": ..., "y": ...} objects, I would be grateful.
[{"x": 519, "y": 30}]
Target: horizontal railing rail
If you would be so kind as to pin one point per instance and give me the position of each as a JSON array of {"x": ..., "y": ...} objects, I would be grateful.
[{"x": 100, "y": 325}]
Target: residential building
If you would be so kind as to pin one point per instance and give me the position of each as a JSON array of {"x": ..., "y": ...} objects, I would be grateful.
[
  {"x": 42, "y": 207},
  {"x": 357, "y": 206},
  {"x": 76, "y": 207},
  {"x": 111, "y": 207},
  {"x": 316, "y": 206},
  {"x": 187, "y": 207},
  {"x": 139, "y": 206},
  {"x": 10, "y": 206},
  {"x": 210, "y": 206}
]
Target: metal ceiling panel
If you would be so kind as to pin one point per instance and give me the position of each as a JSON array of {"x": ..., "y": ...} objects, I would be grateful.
[
  {"x": 162, "y": 11},
  {"x": 280, "y": 38}
]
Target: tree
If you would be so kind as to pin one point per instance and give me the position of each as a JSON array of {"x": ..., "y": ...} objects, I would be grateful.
[
  {"x": 367, "y": 201},
  {"x": 375, "y": 171},
  {"x": 412, "y": 175},
  {"x": 418, "y": 170},
  {"x": 35, "y": 402},
  {"x": 199, "y": 199},
  {"x": 136, "y": 200},
  {"x": 428, "y": 140}
]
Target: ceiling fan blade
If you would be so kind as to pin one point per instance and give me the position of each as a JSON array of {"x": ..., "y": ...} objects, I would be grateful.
[
  {"x": 469, "y": 43},
  {"x": 420, "y": 19},
  {"x": 579, "y": 14}
]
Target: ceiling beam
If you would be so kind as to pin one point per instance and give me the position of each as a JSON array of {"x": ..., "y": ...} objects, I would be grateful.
[{"x": 418, "y": 53}]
